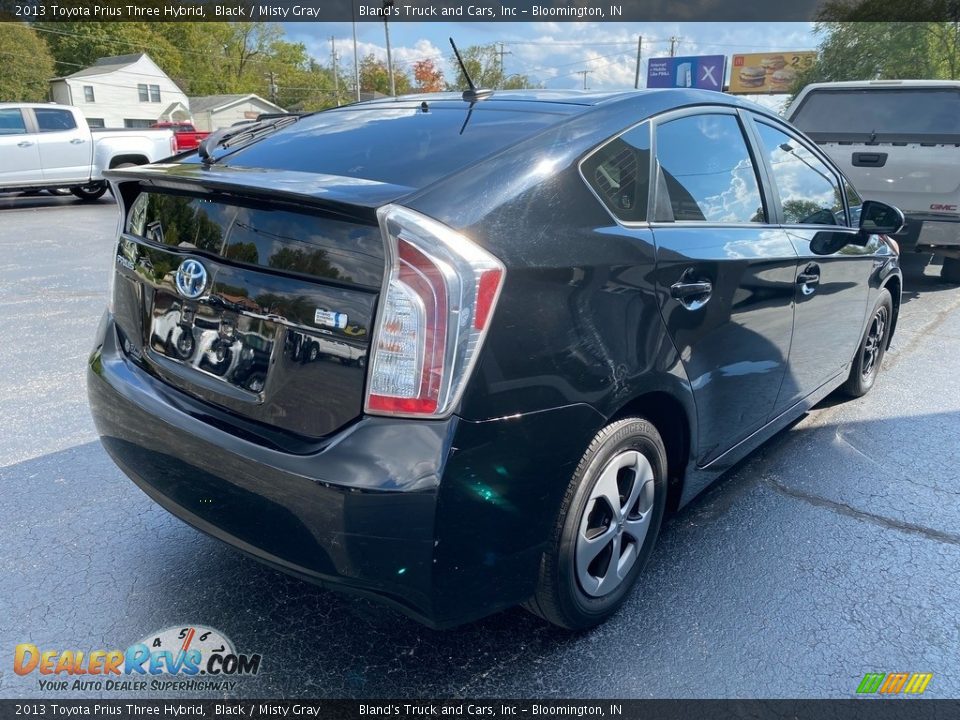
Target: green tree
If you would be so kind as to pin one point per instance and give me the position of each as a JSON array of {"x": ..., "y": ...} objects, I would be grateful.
[
  {"x": 77, "y": 45},
  {"x": 483, "y": 64},
  {"x": 26, "y": 63},
  {"x": 855, "y": 47},
  {"x": 375, "y": 78}
]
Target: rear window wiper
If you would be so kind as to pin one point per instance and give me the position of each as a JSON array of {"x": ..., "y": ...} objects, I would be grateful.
[{"x": 233, "y": 136}]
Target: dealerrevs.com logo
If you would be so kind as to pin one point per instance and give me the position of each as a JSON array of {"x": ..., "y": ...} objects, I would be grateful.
[{"x": 183, "y": 658}]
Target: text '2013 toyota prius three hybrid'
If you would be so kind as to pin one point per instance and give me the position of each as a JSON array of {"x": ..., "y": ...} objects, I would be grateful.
[{"x": 460, "y": 354}]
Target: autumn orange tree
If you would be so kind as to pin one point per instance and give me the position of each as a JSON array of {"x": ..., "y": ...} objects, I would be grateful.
[{"x": 428, "y": 76}]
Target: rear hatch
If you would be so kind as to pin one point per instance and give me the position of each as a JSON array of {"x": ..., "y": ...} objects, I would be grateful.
[
  {"x": 248, "y": 301},
  {"x": 279, "y": 240},
  {"x": 899, "y": 145}
]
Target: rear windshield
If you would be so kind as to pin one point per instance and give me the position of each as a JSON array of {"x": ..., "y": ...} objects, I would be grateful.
[
  {"x": 921, "y": 114},
  {"x": 400, "y": 146}
]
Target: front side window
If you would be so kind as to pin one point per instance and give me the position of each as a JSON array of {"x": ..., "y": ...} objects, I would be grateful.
[
  {"x": 143, "y": 93},
  {"x": 707, "y": 174},
  {"x": 155, "y": 93},
  {"x": 88, "y": 94},
  {"x": 619, "y": 173},
  {"x": 809, "y": 193},
  {"x": 51, "y": 120},
  {"x": 11, "y": 122}
]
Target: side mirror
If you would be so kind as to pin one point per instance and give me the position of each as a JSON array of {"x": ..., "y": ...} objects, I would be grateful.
[
  {"x": 828, "y": 242},
  {"x": 877, "y": 218}
]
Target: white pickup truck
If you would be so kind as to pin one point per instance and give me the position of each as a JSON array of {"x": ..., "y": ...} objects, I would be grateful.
[
  {"x": 48, "y": 146},
  {"x": 898, "y": 141}
]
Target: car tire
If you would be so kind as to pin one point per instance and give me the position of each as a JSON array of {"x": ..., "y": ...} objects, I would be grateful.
[
  {"x": 950, "y": 272},
  {"x": 91, "y": 192},
  {"x": 578, "y": 585},
  {"x": 876, "y": 338}
]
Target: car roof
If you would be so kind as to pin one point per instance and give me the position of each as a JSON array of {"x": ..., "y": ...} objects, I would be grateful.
[
  {"x": 549, "y": 100},
  {"x": 563, "y": 97},
  {"x": 34, "y": 105}
]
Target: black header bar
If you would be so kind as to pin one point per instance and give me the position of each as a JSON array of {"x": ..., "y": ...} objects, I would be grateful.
[{"x": 478, "y": 10}]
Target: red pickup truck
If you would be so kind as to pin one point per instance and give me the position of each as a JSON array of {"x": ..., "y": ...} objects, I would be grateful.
[{"x": 185, "y": 135}]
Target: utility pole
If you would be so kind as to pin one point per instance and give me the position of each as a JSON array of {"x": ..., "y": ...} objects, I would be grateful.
[
  {"x": 584, "y": 73},
  {"x": 673, "y": 45},
  {"x": 273, "y": 87},
  {"x": 356, "y": 61},
  {"x": 503, "y": 73},
  {"x": 336, "y": 68},
  {"x": 636, "y": 78},
  {"x": 386, "y": 31}
]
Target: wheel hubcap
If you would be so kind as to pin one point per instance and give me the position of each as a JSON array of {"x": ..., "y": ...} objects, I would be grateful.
[
  {"x": 873, "y": 346},
  {"x": 615, "y": 523}
]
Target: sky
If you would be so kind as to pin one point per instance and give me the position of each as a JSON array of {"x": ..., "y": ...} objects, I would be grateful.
[{"x": 551, "y": 53}]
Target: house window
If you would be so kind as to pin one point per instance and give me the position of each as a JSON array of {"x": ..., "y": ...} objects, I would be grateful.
[
  {"x": 88, "y": 94},
  {"x": 155, "y": 93},
  {"x": 137, "y": 123},
  {"x": 142, "y": 90},
  {"x": 95, "y": 122}
]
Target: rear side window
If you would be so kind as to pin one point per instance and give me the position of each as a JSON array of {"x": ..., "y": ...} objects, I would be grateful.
[
  {"x": 619, "y": 173},
  {"x": 51, "y": 120},
  {"x": 884, "y": 114},
  {"x": 809, "y": 193},
  {"x": 11, "y": 122},
  {"x": 707, "y": 172}
]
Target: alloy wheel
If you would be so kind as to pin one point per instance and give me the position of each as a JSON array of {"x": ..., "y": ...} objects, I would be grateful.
[
  {"x": 615, "y": 522},
  {"x": 873, "y": 345}
]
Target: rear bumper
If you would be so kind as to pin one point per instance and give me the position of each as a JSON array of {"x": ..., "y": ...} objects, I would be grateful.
[
  {"x": 925, "y": 232},
  {"x": 444, "y": 520}
]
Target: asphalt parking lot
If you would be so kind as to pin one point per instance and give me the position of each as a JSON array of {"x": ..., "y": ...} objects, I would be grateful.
[{"x": 831, "y": 552}]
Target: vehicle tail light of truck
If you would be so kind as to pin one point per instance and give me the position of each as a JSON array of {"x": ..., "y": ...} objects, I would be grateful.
[{"x": 437, "y": 304}]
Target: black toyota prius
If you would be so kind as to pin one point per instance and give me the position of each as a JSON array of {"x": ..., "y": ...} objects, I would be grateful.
[{"x": 462, "y": 352}]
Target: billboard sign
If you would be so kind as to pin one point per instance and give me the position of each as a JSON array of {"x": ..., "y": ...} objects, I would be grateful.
[
  {"x": 704, "y": 72},
  {"x": 769, "y": 72}
]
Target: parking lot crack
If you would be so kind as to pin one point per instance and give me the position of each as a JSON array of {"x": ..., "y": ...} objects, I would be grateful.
[{"x": 864, "y": 516}]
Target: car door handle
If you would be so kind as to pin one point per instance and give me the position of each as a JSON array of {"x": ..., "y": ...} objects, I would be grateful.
[
  {"x": 24, "y": 143},
  {"x": 809, "y": 278},
  {"x": 77, "y": 141},
  {"x": 683, "y": 290},
  {"x": 691, "y": 292}
]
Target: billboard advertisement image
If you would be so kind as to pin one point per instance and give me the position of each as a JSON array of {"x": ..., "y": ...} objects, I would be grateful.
[
  {"x": 769, "y": 72},
  {"x": 704, "y": 72}
]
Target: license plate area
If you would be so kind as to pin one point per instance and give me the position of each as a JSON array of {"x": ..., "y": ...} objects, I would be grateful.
[{"x": 224, "y": 345}]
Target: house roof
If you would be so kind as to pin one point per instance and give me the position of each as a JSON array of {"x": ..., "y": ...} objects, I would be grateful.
[
  {"x": 108, "y": 65},
  {"x": 213, "y": 103}
]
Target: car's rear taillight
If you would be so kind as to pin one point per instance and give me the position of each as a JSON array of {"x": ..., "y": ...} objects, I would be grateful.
[{"x": 436, "y": 306}]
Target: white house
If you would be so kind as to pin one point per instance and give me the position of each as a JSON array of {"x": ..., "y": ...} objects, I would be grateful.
[
  {"x": 212, "y": 112},
  {"x": 123, "y": 91}
]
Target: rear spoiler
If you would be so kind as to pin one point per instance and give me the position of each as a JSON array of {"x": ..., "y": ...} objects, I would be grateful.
[{"x": 354, "y": 197}]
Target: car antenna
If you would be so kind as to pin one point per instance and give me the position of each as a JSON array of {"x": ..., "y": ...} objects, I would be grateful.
[{"x": 474, "y": 94}]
